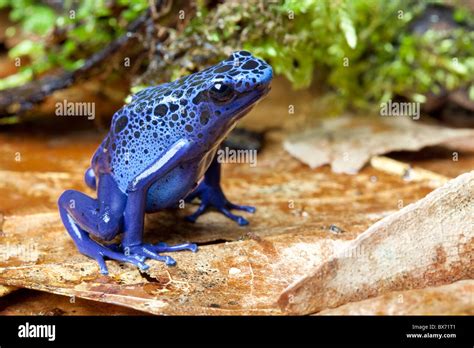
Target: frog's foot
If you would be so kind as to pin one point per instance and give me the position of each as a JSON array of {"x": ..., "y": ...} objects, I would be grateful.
[
  {"x": 152, "y": 251},
  {"x": 212, "y": 196},
  {"x": 99, "y": 252}
]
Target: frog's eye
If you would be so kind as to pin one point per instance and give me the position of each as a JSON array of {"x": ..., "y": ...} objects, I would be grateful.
[{"x": 221, "y": 92}]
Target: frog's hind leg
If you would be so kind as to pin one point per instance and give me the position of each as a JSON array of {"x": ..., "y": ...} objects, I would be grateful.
[
  {"x": 211, "y": 195},
  {"x": 102, "y": 217}
]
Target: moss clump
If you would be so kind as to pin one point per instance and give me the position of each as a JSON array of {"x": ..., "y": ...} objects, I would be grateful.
[
  {"x": 64, "y": 36},
  {"x": 364, "y": 50}
]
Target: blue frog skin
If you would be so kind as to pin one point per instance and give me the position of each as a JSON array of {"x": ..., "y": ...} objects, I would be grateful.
[{"x": 160, "y": 150}]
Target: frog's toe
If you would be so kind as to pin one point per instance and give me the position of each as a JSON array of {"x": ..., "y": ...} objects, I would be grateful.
[
  {"x": 170, "y": 261},
  {"x": 223, "y": 207},
  {"x": 239, "y": 219},
  {"x": 102, "y": 265},
  {"x": 99, "y": 253},
  {"x": 247, "y": 208},
  {"x": 151, "y": 251},
  {"x": 242, "y": 221},
  {"x": 146, "y": 251},
  {"x": 117, "y": 256},
  {"x": 193, "y": 217},
  {"x": 163, "y": 247}
]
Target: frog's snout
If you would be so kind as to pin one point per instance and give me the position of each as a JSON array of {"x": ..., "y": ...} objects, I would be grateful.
[
  {"x": 263, "y": 85},
  {"x": 264, "y": 80},
  {"x": 267, "y": 74}
]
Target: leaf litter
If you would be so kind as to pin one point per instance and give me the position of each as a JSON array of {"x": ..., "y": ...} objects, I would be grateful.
[{"x": 348, "y": 143}]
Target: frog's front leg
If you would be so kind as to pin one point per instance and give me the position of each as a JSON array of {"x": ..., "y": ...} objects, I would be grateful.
[
  {"x": 135, "y": 207},
  {"x": 211, "y": 195}
]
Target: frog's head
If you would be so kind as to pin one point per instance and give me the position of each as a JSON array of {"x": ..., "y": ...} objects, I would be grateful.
[
  {"x": 236, "y": 84},
  {"x": 226, "y": 92}
]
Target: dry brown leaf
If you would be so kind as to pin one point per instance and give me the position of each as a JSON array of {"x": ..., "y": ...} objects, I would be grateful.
[
  {"x": 30, "y": 302},
  {"x": 5, "y": 290},
  {"x": 243, "y": 277},
  {"x": 430, "y": 242},
  {"x": 461, "y": 144},
  {"x": 289, "y": 235},
  {"x": 455, "y": 299},
  {"x": 348, "y": 143}
]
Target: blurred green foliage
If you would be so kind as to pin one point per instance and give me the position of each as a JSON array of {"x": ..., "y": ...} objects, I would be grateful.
[
  {"x": 362, "y": 49},
  {"x": 79, "y": 28}
]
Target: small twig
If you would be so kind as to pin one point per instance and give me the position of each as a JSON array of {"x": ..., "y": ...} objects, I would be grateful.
[
  {"x": 406, "y": 171},
  {"x": 20, "y": 99}
]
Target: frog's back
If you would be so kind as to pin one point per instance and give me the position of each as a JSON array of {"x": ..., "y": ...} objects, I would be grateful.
[
  {"x": 202, "y": 108},
  {"x": 139, "y": 134},
  {"x": 141, "y": 131}
]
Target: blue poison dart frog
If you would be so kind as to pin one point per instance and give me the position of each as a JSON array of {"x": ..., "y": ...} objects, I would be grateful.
[{"x": 161, "y": 150}]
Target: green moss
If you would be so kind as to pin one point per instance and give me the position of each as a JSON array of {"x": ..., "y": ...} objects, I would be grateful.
[
  {"x": 86, "y": 27},
  {"x": 362, "y": 50}
]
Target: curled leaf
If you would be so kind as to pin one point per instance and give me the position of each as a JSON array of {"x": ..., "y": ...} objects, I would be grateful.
[
  {"x": 348, "y": 143},
  {"x": 455, "y": 299},
  {"x": 427, "y": 243}
]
